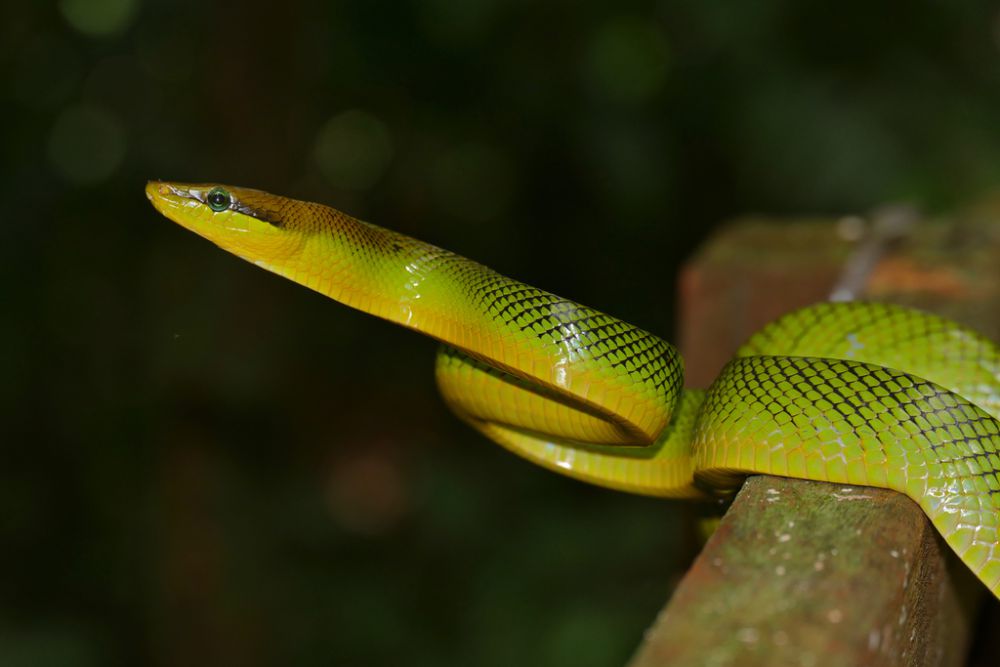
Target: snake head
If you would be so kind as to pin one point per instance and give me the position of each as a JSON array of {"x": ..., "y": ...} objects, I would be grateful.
[{"x": 257, "y": 226}]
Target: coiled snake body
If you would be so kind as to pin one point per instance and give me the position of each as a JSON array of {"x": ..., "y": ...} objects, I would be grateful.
[{"x": 850, "y": 393}]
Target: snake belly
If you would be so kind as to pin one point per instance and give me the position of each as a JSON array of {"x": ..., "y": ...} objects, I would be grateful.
[{"x": 850, "y": 393}]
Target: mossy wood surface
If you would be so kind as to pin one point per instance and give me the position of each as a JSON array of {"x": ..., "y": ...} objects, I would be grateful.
[{"x": 808, "y": 573}]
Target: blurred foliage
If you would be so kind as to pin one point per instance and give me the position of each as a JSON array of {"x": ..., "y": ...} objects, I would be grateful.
[{"x": 206, "y": 465}]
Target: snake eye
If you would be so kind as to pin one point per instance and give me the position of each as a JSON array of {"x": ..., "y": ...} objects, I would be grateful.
[{"x": 218, "y": 199}]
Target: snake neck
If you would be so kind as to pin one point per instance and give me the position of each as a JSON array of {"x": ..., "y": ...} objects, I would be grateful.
[{"x": 587, "y": 358}]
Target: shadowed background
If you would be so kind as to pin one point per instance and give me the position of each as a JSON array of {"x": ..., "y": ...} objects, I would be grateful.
[{"x": 205, "y": 464}]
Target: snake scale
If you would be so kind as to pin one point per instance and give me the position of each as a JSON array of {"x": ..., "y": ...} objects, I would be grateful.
[{"x": 850, "y": 393}]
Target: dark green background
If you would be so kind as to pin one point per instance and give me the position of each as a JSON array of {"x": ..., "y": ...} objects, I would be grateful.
[{"x": 203, "y": 464}]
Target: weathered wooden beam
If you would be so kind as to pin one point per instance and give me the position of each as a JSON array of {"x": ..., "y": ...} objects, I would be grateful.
[
  {"x": 807, "y": 573},
  {"x": 751, "y": 273}
]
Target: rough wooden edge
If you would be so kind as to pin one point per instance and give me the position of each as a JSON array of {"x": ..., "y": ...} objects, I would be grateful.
[{"x": 805, "y": 573}]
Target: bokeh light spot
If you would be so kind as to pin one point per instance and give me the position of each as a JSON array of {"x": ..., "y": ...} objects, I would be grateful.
[
  {"x": 353, "y": 150},
  {"x": 49, "y": 70},
  {"x": 473, "y": 181},
  {"x": 996, "y": 30},
  {"x": 98, "y": 18},
  {"x": 367, "y": 491},
  {"x": 627, "y": 60},
  {"x": 457, "y": 22},
  {"x": 86, "y": 145}
]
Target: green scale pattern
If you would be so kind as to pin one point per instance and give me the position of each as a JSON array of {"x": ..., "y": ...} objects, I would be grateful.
[
  {"x": 485, "y": 308},
  {"x": 920, "y": 343},
  {"x": 513, "y": 327},
  {"x": 855, "y": 423},
  {"x": 574, "y": 340}
]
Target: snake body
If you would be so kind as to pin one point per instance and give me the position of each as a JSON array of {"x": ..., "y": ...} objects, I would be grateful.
[{"x": 850, "y": 393}]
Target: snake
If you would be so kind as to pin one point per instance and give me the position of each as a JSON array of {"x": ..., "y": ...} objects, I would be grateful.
[{"x": 853, "y": 393}]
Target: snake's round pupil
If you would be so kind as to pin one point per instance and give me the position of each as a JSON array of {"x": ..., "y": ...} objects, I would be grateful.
[{"x": 218, "y": 199}]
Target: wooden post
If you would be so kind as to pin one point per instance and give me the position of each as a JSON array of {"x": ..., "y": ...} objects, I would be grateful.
[{"x": 809, "y": 573}]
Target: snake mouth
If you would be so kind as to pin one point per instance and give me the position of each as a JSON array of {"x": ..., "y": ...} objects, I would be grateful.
[
  {"x": 174, "y": 195},
  {"x": 161, "y": 195},
  {"x": 164, "y": 193},
  {"x": 168, "y": 199},
  {"x": 183, "y": 204},
  {"x": 154, "y": 188}
]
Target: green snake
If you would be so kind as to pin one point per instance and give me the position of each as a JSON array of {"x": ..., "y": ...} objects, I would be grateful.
[{"x": 850, "y": 393}]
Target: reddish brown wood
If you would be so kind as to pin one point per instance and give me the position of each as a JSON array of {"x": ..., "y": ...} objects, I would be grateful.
[
  {"x": 805, "y": 573},
  {"x": 749, "y": 274}
]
